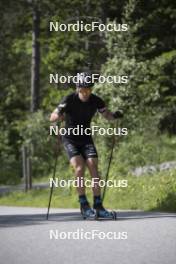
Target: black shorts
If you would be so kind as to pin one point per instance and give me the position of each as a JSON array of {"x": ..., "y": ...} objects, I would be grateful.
[{"x": 86, "y": 150}]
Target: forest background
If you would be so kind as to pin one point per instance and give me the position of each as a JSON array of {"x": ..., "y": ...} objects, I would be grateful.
[{"x": 29, "y": 52}]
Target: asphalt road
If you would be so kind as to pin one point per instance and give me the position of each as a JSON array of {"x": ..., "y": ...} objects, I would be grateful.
[{"x": 138, "y": 237}]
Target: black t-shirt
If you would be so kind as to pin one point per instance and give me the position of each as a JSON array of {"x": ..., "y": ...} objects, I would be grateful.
[{"x": 79, "y": 113}]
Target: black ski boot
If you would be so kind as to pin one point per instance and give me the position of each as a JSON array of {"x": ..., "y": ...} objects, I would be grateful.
[
  {"x": 101, "y": 212},
  {"x": 85, "y": 208}
]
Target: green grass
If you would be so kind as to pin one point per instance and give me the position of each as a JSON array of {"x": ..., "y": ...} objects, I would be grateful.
[{"x": 148, "y": 192}]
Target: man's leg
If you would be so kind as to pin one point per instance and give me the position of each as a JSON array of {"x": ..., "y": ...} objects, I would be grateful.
[
  {"x": 78, "y": 163},
  {"x": 92, "y": 164},
  {"x": 90, "y": 153}
]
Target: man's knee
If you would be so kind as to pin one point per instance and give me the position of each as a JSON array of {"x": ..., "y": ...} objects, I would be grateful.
[
  {"x": 92, "y": 162},
  {"x": 78, "y": 164},
  {"x": 79, "y": 169}
]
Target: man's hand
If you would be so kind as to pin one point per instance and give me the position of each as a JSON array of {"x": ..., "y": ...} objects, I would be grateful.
[
  {"x": 111, "y": 116},
  {"x": 118, "y": 114},
  {"x": 55, "y": 116}
]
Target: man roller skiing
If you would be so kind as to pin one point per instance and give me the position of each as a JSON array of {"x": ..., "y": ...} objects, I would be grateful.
[{"x": 77, "y": 109}]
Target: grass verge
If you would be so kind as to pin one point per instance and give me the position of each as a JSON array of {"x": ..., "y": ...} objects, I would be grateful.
[{"x": 147, "y": 192}]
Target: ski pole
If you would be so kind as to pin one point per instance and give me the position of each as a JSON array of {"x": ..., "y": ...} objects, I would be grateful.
[
  {"x": 52, "y": 186},
  {"x": 109, "y": 164}
]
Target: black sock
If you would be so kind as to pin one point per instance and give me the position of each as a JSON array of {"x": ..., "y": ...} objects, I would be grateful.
[
  {"x": 83, "y": 199},
  {"x": 97, "y": 201}
]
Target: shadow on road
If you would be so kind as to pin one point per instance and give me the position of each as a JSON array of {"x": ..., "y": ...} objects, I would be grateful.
[{"x": 16, "y": 220}]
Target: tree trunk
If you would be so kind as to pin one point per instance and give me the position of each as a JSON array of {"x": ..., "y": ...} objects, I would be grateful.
[{"x": 35, "y": 65}]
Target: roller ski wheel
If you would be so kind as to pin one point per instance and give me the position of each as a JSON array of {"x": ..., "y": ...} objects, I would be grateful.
[
  {"x": 104, "y": 214},
  {"x": 87, "y": 212}
]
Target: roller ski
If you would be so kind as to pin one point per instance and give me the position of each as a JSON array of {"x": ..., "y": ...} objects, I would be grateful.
[{"x": 101, "y": 212}]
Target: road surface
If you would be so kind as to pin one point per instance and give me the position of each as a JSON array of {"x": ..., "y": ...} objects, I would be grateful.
[{"x": 136, "y": 237}]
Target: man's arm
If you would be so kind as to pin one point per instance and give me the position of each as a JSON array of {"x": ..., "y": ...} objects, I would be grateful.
[
  {"x": 108, "y": 115},
  {"x": 55, "y": 116},
  {"x": 112, "y": 116},
  {"x": 101, "y": 106},
  {"x": 58, "y": 113}
]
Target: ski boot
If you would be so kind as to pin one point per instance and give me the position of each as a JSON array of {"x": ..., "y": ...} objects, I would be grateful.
[
  {"x": 102, "y": 213},
  {"x": 86, "y": 210}
]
